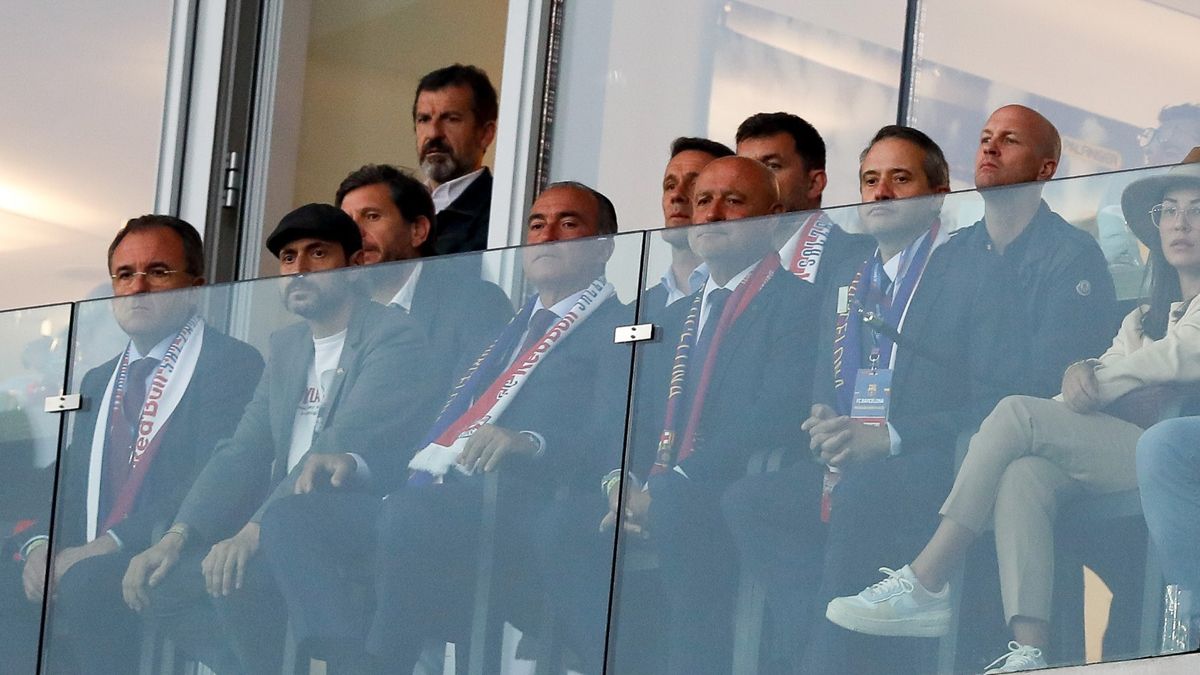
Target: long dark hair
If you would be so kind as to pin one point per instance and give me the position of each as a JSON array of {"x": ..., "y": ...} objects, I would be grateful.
[{"x": 1164, "y": 290}]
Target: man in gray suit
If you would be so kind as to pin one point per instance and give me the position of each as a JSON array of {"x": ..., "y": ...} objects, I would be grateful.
[{"x": 331, "y": 386}]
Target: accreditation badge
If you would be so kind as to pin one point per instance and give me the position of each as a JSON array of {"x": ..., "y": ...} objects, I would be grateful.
[{"x": 872, "y": 396}]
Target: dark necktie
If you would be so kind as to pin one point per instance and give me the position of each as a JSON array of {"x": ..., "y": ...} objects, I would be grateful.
[
  {"x": 135, "y": 388},
  {"x": 120, "y": 441},
  {"x": 716, "y": 304},
  {"x": 538, "y": 325}
]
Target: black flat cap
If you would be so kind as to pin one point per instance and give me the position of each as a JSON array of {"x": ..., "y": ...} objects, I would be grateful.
[{"x": 318, "y": 221}]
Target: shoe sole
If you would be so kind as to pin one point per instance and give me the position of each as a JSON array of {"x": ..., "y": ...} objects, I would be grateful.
[{"x": 932, "y": 625}]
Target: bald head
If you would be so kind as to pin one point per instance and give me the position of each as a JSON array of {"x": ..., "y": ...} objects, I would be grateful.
[
  {"x": 1017, "y": 145},
  {"x": 730, "y": 188}
]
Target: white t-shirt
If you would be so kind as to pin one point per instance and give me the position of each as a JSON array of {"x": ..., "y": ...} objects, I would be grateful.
[{"x": 326, "y": 352}]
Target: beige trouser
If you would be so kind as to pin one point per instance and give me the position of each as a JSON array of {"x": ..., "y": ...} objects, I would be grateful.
[{"x": 1028, "y": 455}]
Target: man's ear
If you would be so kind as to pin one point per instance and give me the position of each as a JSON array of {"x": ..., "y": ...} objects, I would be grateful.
[
  {"x": 488, "y": 134},
  {"x": 420, "y": 231},
  {"x": 1046, "y": 172},
  {"x": 818, "y": 179},
  {"x": 199, "y": 281},
  {"x": 356, "y": 258}
]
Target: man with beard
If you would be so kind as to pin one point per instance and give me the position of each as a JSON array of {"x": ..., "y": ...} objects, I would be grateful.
[
  {"x": 458, "y": 310},
  {"x": 330, "y": 386},
  {"x": 686, "y": 273},
  {"x": 535, "y": 407},
  {"x": 454, "y": 117},
  {"x": 151, "y": 418}
]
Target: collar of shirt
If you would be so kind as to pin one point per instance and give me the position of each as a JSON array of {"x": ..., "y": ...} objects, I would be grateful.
[
  {"x": 445, "y": 194},
  {"x": 711, "y": 285},
  {"x": 404, "y": 297},
  {"x": 561, "y": 307},
  {"x": 158, "y": 351},
  {"x": 695, "y": 280}
]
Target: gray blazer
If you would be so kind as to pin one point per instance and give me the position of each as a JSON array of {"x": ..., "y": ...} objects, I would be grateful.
[{"x": 378, "y": 403}]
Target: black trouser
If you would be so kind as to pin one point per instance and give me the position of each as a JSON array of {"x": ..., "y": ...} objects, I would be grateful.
[
  {"x": 427, "y": 559},
  {"x": 239, "y": 633},
  {"x": 576, "y": 562},
  {"x": 775, "y": 519},
  {"x": 88, "y": 622},
  {"x": 883, "y": 514},
  {"x": 320, "y": 546},
  {"x": 19, "y": 621},
  {"x": 698, "y": 572}
]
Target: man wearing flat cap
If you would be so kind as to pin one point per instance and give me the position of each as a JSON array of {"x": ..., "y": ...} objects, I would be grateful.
[{"x": 330, "y": 386}]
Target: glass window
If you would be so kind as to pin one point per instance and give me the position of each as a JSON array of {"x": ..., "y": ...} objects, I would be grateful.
[
  {"x": 345, "y": 74},
  {"x": 33, "y": 365},
  {"x": 1102, "y": 72},
  {"x": 633, "y": 76},
  {"x": 80, "y": 130}
]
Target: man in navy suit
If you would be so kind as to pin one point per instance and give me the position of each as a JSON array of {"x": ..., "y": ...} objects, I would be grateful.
[
  {"x": 151, "y": 417},
  {"x": 687, "y": 272},
  {"x": 537, "y": 406},
  {"x": 724, "y": 382},
  {"x": 458, "y": 310},
  {"x": 795, "y": 152}
]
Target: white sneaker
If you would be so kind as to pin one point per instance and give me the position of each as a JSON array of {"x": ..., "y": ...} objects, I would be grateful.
[
  {"x": 898, "y": 606},
  {"x": 1019, "y": 657}
]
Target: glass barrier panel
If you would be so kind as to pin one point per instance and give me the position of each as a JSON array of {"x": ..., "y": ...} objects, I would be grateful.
[
  {"x": 406, "y": 469},
  {"x": 1085, "y": 53},
  {"x": 33, "y": 366},
  {"x": 835, "y": 64},
  {"x": 871, "y": 469}
]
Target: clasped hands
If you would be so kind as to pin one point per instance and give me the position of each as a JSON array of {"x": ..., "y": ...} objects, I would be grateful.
[
  {"x": 637, "y": 505},
  {"x": 841, "y": 441}
]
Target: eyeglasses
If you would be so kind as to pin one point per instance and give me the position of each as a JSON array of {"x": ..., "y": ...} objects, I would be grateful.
[
  {"x": 155, "y": 278},
  {"x": 1168, "y": 215}
]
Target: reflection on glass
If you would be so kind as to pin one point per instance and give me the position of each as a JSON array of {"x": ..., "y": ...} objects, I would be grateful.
[
  {"x": 32, "y": 367},
  {"x": 56, "y": 216},
  {"x": 1002, "y": 307},
  {"x": 727, "y": 61}
]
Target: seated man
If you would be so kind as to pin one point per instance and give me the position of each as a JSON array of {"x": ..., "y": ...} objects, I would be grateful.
[
  {"x": 458, "y": 310},
  {"x": 779, "y": 518},
  {"x": 1047, "y": 301},
  {"x": 739, "y": 371},
  {"x": 537, "y": 405},
  {"x": 330, "y": 386},
  {"x": 687, "y": 272},
  {"x": 150, "y": 419},
  {"x": 795, "y": 152}
]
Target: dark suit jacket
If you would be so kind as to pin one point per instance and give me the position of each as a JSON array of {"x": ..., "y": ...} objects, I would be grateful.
[
  {"x": 460, "y": 313},
  {"x": 575, "y": 399},
  {"x": 376, "y": 406},
  {"x": 946, "y": 379},
  {"x": 226, "y": 372},
  {"x": 760, "y": 389},
  {"x": 463, "y": 225},
  {"x": 840, "y": 247}
]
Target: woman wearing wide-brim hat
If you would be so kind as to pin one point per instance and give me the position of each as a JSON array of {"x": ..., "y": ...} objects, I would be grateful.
[
  {"x": 1031, "y": 453},
  {"x": 1168, "y": 454}
]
